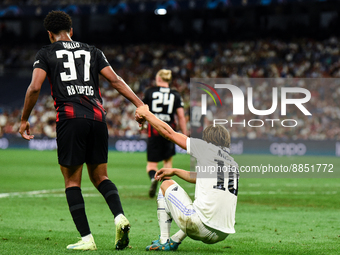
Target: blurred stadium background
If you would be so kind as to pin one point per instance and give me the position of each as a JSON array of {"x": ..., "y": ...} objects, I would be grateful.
[
  {"x": 201, "y": 39},
  {"x": 195, "y": 39}
]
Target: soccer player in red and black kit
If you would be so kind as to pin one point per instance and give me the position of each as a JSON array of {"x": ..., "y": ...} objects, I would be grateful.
[
  {"x": 82, "y": 136},
  {"x": 164, "y": 103}
]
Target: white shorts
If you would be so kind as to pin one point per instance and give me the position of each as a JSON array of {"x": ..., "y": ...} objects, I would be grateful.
[{"x": 180, "y": 207}]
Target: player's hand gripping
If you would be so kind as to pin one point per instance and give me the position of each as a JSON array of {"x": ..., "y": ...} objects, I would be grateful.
[
  {"x": 140, "y": 114},
  {"x": 164, "y": 172},
  {"x": 25, "y": 126},
  {"x": 142, "y": 110}
]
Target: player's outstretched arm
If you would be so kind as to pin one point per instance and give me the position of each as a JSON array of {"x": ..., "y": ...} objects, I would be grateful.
[
  {"x": 168, "y": 172},
  {"x": 32, "y": 94},
  {"x": 119, "y": 84},
  {"x": 163, "y": 128}
]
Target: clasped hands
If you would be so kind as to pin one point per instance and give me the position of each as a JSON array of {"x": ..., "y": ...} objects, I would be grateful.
[{"x": 141, "y": 111}]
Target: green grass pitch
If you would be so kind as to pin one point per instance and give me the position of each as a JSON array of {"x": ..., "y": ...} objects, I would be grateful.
[{"x": 274, "y": 216}]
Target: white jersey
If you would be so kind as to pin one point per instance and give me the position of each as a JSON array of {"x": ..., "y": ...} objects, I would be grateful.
[{"x": 216, "y": 189}]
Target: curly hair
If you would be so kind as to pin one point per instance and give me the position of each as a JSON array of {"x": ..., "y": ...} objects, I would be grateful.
[{"x": 57, "y": 21}]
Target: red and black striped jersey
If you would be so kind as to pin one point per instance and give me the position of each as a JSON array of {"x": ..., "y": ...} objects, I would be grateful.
[
  {"x": 163, "y": 102},
  {"x": 73, "y": 71}
]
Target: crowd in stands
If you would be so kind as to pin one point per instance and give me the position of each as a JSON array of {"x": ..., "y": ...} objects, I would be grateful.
[{"x": 138, "y": 64}]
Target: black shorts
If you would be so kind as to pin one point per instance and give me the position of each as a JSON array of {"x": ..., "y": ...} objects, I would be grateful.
[
  {"x": 159, "y": 149},
  {"x": 82, "y": 141}
]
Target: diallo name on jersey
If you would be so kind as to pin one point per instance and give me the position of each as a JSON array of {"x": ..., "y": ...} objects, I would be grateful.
[{"x": 71, "y": 45}]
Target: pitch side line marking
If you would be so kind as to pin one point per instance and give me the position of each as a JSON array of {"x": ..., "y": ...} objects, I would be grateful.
[
  {"x": 49, "y": 192},
  {"x": 60, "y": 192},
  {"x": 33, "y": 193}
]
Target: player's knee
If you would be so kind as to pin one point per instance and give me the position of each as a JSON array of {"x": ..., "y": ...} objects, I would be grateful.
[{"x": 166, "y": 184}]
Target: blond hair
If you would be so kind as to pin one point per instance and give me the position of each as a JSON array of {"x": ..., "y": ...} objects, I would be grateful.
[
  {"x": 217, "y": 135},
  {"x": 165, "y": 75}
]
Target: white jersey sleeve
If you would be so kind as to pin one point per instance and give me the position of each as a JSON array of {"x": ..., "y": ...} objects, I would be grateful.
[{"x": 216, "y": 185}]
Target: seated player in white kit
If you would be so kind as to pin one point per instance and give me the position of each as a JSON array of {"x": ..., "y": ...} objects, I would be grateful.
[{"x": 211, "y": 217}]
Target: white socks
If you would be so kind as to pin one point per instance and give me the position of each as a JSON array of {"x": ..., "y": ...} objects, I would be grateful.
[
  {"x": 164, "y": 220},
  {"x": 87, "y": 237},
  {"x": 179, "y": 236},
  {"x": 117, "y": 218}
]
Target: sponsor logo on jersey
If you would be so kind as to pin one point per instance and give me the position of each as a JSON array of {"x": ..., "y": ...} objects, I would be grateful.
[
  {"x": 164, "y": 117},
  {"x": 80, "y": 90},
  {"x": 36, "y": 62}
]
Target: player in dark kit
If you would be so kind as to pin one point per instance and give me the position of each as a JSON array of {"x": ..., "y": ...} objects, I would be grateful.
[
  {"x": 198, "y": 121},
  {"x": 164, "y": 103},
  {"x": 82, "y": 136}
]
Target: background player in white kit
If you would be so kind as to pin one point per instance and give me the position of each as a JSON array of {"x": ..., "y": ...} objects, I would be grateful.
[{"x": 211, "y": 217}]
